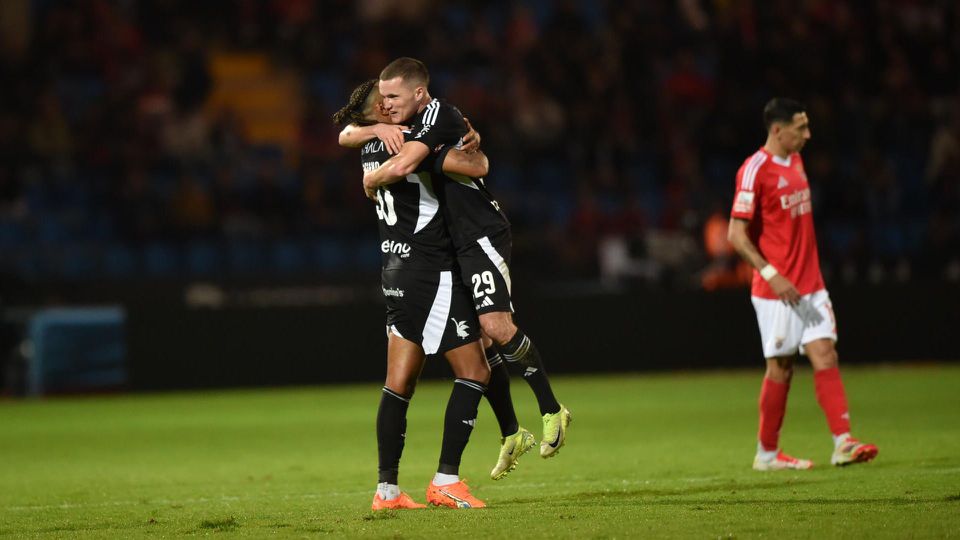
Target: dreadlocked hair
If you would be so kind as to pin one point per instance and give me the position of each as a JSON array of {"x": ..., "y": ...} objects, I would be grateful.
[{"x": 352, "y": 112}]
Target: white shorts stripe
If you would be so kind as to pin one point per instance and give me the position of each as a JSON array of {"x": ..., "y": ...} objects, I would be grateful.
[
  {"x": 497, "y": 261},
  {"x": 437, "y": 319}
]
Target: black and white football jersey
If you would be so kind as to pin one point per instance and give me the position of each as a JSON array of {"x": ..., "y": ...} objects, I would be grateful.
[
  {"x": 413, "y": 235},
  {"x": 469, "y": 209}
]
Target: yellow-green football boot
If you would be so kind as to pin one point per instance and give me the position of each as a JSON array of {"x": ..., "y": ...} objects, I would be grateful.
[
  {"x": 554, "y": 431},
  {"x": 511, "y": 448}
]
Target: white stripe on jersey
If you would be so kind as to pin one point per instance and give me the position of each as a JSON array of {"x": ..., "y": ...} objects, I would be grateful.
[
  {"x": 430, "y": 114},
  {"x": 429, "y": 205},
  {"x": 437, "y": 319},
  {"x": 497, "y": 260},
  {"x": 750, "y": 171},
  {"x": 463, "y": 180}
]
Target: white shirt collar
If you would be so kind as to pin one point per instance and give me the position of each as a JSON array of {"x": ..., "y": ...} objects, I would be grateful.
[{"x": 780, "y": 161}]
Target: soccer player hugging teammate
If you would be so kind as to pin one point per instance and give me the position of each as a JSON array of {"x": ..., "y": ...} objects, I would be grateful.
[
  {"x": 481, "y": 236},
  {"x": 771, "y": 227},
  {"x": 429, "y": 310}
]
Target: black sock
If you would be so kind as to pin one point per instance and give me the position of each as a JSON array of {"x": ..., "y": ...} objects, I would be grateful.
[
  {"x": 458, "y": 423},
  {"x": 522, "y": 351},
  {"x": 498, "y": 394},
  {"x": 391, "y": 433}
]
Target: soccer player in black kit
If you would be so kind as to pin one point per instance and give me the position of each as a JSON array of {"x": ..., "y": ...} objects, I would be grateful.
[
  {"x": 428, "y": 311},
  {"x": 481, "y": 235}
]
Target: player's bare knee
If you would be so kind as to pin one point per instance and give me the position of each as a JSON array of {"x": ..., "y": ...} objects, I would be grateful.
[
  {"x": 822, "y": 354},
  {"x": 401, "y": 385},
  {"x": 479, "y": 372},
  {"x": 780, "y": 369},
  {"x": 825, "y": 360}
]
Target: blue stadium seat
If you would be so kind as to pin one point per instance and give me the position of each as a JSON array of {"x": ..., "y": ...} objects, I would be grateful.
[
  {"x": 161, "y": 259},
  {"x": 53, "y": 230},
  {"x": 245, "y": 257},
  {"x": 326, "y": 88},
  {"x": 12, "y": 235},
  {"x": 204, "y": 259},
  {"x": 366, "y": 255},
  {"x": 78, "y": 262},
  {"x": 287, "y": 257},
  {"x": 327, "y": 254},
  {"x": 119, "y": 261}
]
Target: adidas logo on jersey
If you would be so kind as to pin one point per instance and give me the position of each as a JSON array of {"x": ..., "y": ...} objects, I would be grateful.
[
  {"x": 397, "y": 248},
  {"x": 782, "y": 183},
  {"x": 486, "y": 302}
]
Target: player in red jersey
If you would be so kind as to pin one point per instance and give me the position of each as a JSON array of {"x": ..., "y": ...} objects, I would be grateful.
[{"x": 771, "y": 227}]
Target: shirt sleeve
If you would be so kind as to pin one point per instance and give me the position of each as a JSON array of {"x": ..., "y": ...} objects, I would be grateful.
[
  {"x": 430, "y": 162},
  {"x": 443, "y": 126},
  {"x": 746, "y": 198},
  {"x": 440, "y": 157}
]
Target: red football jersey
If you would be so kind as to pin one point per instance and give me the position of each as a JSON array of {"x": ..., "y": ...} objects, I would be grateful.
[{"x": 773, "y": 194}]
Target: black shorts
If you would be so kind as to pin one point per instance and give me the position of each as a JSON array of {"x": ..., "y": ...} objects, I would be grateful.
[
  {"x": 485, "y": 269},
  {"x": 432, "y": 309}
]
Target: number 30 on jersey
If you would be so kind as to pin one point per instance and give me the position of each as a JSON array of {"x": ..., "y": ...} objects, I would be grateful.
[{"x": 385, "y": 210}]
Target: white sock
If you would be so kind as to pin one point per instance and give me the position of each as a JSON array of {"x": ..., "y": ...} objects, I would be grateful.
[
  {"x": 766, "y": 455},
  {"x": 388, "y": 492},
  {"x": 840, "y": 439},
  {"x": 441, "y": 479}
]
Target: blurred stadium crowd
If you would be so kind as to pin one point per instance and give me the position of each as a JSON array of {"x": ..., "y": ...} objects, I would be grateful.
[{"x": 614, "y": 130}]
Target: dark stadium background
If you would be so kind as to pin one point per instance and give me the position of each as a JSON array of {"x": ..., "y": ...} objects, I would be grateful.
[{"x": 175, "y": 211}]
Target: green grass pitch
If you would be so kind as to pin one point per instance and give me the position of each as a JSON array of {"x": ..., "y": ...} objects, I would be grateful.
[{"x": 664, "y": 455}]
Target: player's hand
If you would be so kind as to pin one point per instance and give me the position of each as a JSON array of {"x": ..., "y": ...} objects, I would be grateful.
[
  {"x": 391, "y": 135},
  {"x": 784, "y": 289},
  {"x": 368, "y": 190},
  {"x": 471, "y": 141}
]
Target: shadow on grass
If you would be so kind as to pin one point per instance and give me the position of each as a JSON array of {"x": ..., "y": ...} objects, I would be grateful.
[
  {"x": 810, "y": 500},
  {"x": 668, "y": 492},
  {"x": 381, "y": 515},
  {"x": 227, "y": 524},
  {"x": 678, "y": 497}
]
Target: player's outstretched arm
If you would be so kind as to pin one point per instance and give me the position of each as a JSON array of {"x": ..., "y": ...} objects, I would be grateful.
[
  {"x": 355, "y": 136},
  {"x": 740, "y": 240},
  {"x": 475, "y": 165}
]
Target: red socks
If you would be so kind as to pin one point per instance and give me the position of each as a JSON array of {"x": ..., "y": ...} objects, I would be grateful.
[
  {"x": 773, "y": 404},
  {"x": 833, "y": 399}
]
